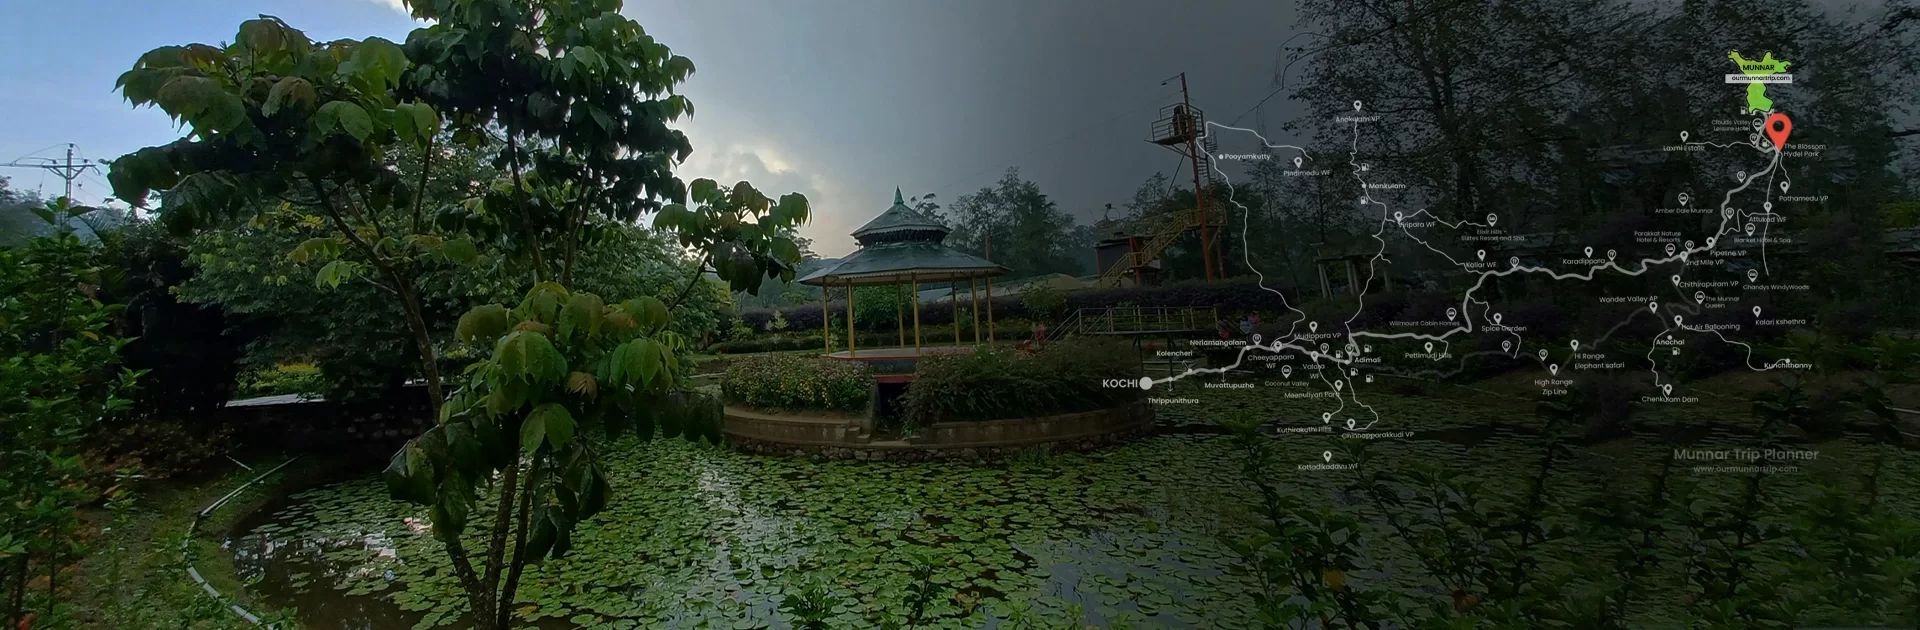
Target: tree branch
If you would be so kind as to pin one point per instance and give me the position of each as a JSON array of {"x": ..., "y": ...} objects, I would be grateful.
[
  {"x": 526, "y": 218},
  {"x": 420, "y": 191},
  {"x": 698, "y": 271}
]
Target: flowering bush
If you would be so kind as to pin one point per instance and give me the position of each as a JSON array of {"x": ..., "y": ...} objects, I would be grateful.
[{"x": 797, "y": 383}]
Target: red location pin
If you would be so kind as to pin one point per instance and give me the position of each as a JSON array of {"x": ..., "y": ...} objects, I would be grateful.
[{"x": 1778, "y": 126}]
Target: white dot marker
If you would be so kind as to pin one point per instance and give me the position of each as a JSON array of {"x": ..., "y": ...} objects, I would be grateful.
[
  {"x": 1667, "y": 389},
  {"x": 1429, "y": 347},
  {"x": 1753, "y": 275},
  {"x": 1589, "y": 252},
  {"x": 1496, "y": 318},
  {"x": 1683, "y": 136},
  {"x": 1611, "y": 254},
  {"x": 1452, "y": 313},
  {"x": 1711, "y": 240},
  {"x": 1576, "y": 344},
  {"x": 1700, "y": 297},
  {"x": 1328, "y": 455},
  {"x": 1492, "y": 219},
  {"x": 1146, "y": 382},
  {"x": 1554, "y": 369},
  {"x": 1783, "y": 185},
  {"x": 1756, "y": 311},
  {"x": 1482, "y": 254}
]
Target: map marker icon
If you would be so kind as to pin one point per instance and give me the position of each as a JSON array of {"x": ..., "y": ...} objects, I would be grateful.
[
  {"x": 1683, "y": 199},
  {"x": 1676, "y": 280},
  {"x": 1783, "y": 186},
  {"x": 1296, "y": 163},
  {"x": 1328, "y": 455},
  {"x": 1482, "y": 254},
  {"x": 1452, "y": 313},
  {"x": 1429, "y": 347},
  {"x": 1496, "y": 318},
  {"x": 1700, "y": 297},
  {"x": 1576, "y": 344},
  {"x": 1667, "y": 389},
  {"x": 1683, "y": 136},
  {"x": 1777, "y": 127},
  {"x": 1555, "y": 369},
  {"x": 1543, "y": 354},
  {"x": 1749, "y": 229},
  {"x": 1349, "y": 424},
  {"x": 1492, "y": 219},
  {"x": 1670, "y": 249},
  {"x": 1611, "y": 254},
  {"x": 1589, "y": 252},
  {"x": 1753, "y": 275},
  {"x": 1767, "y": 205},
  {"x": 1653, "y": 306},
  {"x": 1314, "y": 327},
  {"x": 1756, "y": 311},
  {"x": 1325, "y": 416},
  {"x": 1506, "y": 346},
  {"x": 1286, "y": 371}
]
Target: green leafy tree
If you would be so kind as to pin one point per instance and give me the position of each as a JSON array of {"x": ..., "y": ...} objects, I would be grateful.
[
  {"x": 58, "y": 360},
  {"x": 276, "y": 116},
  {"x": 580, "y": 97}
]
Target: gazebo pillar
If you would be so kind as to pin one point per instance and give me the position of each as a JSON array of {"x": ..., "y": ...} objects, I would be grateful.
[
  {"x": 989, "y": 309},
  {"x": 851, "y": 352},
  {"x": 973, "y": 292},
  {"x": 954, "y": 293},
  {"x": 899, "y": 316},
  {"x": 826, "y": 318},
  {"x": 915, "y": 281}
]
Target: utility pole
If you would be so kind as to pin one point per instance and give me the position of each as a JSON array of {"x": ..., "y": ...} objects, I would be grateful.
[{"x": 69, "y": 170}]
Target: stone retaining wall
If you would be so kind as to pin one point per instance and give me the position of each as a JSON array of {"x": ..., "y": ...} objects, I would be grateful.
[{"x": 843, "y": 438}]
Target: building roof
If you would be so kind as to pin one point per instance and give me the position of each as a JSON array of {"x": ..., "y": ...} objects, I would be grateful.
[
  {"x": 902, "y": 245},
  {"x": 900, "y": 222}
]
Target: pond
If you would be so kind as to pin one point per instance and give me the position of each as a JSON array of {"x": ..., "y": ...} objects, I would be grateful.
[{"x": 701, "y": 537}]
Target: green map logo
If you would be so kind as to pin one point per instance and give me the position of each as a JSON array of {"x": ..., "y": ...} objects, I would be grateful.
[{"x": 1757, "y": 100}]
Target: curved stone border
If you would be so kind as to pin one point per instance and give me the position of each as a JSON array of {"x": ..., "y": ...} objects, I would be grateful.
[
  {"x": 844, "y": 438},
  {"x": 195, "y": 527}
]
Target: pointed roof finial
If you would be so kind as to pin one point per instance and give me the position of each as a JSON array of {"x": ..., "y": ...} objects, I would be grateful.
[{"x": 896, "y": 197}]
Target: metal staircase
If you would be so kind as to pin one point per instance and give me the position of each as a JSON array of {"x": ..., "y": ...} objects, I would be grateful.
[{"x": 1161, "y": 234}]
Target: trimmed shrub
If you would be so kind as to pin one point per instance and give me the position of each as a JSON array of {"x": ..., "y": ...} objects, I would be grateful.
[
  {"x": 992, "y": 383},
  {"x": 787, "y": 382}
]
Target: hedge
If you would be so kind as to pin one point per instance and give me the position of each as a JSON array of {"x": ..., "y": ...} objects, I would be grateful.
[
  {"x": 787, "y": 382},
  {"x": 928, "y": 336},
  {"x": 993, "y": 383}
]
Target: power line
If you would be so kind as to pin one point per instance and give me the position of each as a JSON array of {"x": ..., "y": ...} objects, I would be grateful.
[{"x": 68, "y": 170}]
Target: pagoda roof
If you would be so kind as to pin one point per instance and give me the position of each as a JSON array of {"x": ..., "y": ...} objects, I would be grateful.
[
  {"x": 899, "y": 222},
  {"x": 904, "y": 261},
  {"x": 902, "y": 245}
]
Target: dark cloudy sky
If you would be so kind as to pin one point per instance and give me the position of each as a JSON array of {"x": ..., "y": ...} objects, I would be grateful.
[{"x": 841, "y": 100}]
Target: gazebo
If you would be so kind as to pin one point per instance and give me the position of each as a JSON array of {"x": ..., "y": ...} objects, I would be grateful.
[{"x": 903, "y": 248}]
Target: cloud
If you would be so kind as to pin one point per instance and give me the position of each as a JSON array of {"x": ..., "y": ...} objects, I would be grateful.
[
  {"x": 770, "y": 171},
  {"x": 397, "y": 5}
]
